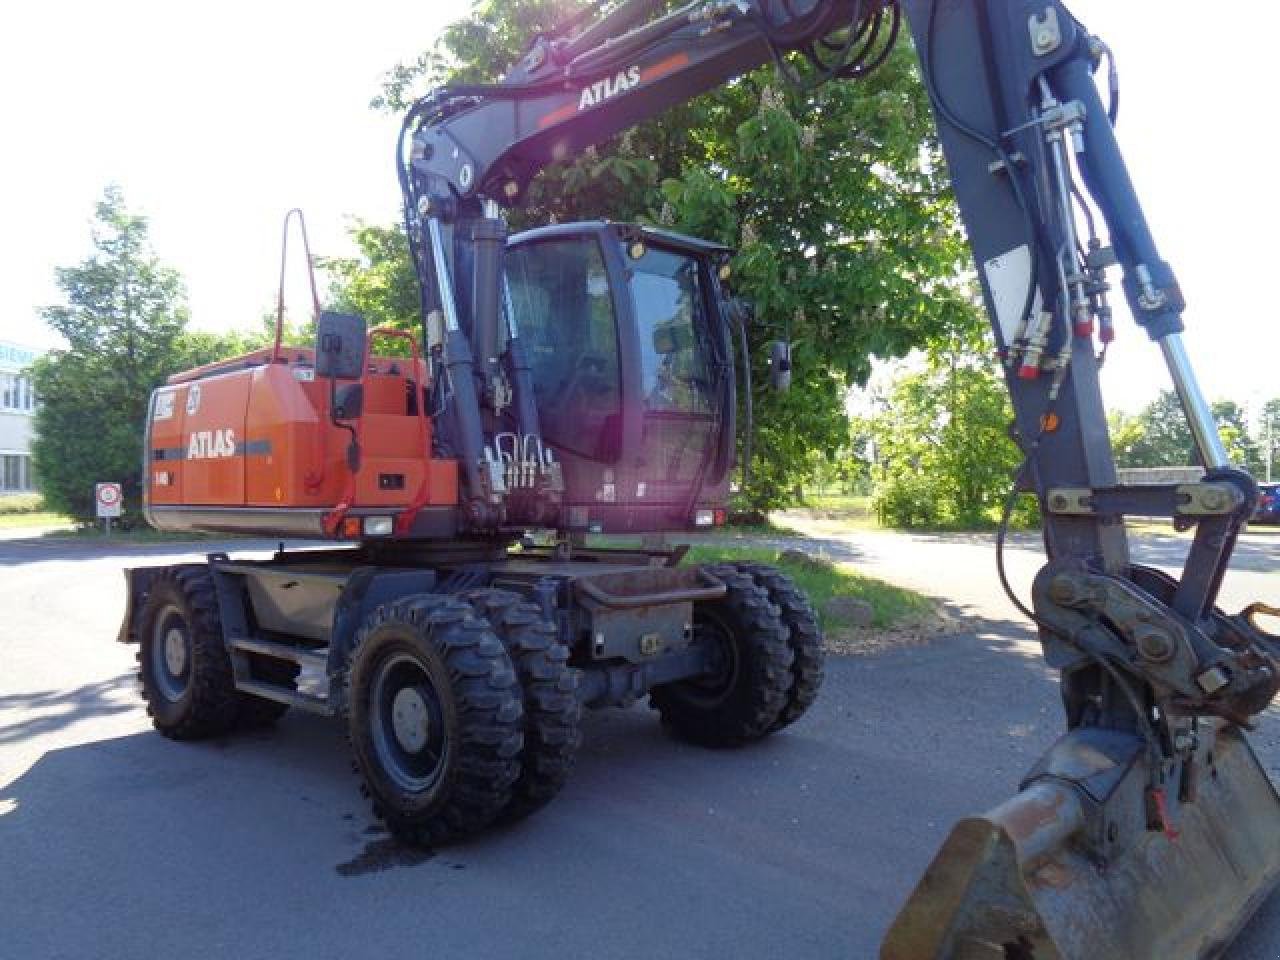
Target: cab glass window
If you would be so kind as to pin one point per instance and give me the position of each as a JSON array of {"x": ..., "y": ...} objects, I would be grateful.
[
  {"x": 670, "y": 313},
  {"x": 558, "y": 294}
]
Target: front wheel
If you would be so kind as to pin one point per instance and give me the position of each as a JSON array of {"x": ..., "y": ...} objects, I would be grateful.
[
  {"x": 435, "y": 718},
  {"x": 743, "y": 695},
  {"x": 804, "y": 637}
]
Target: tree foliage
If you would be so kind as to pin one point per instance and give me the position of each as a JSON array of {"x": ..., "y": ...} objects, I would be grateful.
[
  {"x": 1269, "y": 439},
  {"x": 940, "y": 442},
  {"x": 1159, "y": 436},
  {"x": 124, "y": 320},
  {"x": 836, "y": 201}
]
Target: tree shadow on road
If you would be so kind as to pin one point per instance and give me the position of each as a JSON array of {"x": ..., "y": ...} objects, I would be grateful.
[{"x": 48, "y": 711}]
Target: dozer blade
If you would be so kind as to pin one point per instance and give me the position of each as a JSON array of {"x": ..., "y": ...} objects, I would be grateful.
[{"x": 1070, "y": 870}]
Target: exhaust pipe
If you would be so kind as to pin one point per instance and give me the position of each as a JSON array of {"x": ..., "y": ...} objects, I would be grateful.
[{"x": 1083, "y": 865}]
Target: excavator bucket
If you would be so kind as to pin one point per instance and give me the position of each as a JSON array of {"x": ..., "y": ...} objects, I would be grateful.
[{"x": 1071, "y": 869}]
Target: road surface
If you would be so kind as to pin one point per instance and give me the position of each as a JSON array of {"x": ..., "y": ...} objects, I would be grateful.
[{"x": 115, "y": 842}]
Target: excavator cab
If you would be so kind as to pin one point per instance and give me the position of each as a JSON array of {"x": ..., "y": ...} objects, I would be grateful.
[{"x": 626, "y": 330}]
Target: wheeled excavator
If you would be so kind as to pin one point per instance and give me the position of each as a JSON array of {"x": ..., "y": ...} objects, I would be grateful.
[{"x": 587, "y": 378}]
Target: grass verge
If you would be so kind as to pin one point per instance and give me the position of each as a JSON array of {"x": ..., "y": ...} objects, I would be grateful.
[
  {"x": 891, "y": 606},
  {"x": 20, "y": 503},
  {"x": 136, "y": 535},
  {"x": 34, "y": 518}
]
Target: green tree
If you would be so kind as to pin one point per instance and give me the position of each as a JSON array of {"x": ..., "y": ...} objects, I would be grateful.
[
  {"x": 124, "y": 320},
  {"x": 1128, "y": 435},
  {"x": 836, "y": 200},
  {"x": 1159, "y": 436},
  {"x": 941, "y": 443},
  {"x": 1269, "y": 439},
  {"x": 1233, "y": 427}
]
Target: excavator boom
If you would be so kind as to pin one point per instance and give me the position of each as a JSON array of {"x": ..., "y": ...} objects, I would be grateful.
[{"x": 1149, "y": 829}]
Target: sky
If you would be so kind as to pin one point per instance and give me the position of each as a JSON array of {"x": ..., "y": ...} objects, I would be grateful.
[{"x": 216, "y": 119}]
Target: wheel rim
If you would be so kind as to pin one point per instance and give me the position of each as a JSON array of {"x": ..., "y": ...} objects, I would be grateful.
[
  {"x": 714, "y": 686},
  {"x": 408, "y": 727},
  {"x": 171, "y": 653}
]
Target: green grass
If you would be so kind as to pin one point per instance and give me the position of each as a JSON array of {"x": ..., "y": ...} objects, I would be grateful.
[
  {"x": 891, "y": 606},
  {"x": 35, "y": 518},
  {"x": 136, "y": 535},
  {"x": 18, "y": 503},
  {"x": 854, "y": 512}
]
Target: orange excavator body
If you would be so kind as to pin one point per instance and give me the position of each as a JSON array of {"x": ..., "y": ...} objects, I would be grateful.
[{"x": 249, "y": 444}]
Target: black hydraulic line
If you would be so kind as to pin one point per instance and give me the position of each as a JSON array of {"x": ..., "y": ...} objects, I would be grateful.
[
  {"x": 613, "y": 53},
  {"x": 621, "y": 20},
  {"x": 858, "y": 69},
  {"x": 749, "y": 432},
  {"x": 993, "y": 144}
]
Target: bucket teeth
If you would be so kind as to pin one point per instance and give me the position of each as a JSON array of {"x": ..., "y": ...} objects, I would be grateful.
[{"x": 1070, "y": 869}]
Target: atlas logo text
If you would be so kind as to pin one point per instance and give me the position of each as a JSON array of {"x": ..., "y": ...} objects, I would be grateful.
[
  {"x": 602, "y": 90},
  {"x": 207, "y": 444}
]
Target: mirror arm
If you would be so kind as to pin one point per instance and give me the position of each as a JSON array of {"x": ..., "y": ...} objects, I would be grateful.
[{"x": 353, "y": 446}]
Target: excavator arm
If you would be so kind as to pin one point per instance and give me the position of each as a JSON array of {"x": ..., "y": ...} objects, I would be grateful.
[{"x": 1149, "y": 829}]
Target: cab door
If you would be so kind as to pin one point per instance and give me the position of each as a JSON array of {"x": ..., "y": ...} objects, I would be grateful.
[{"x": 682, "y": 387}]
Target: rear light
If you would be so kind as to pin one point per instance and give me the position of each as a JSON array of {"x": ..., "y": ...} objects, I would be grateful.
[
  {"x": 377, "y": 526},
  {"x": 721, "y": 517}
]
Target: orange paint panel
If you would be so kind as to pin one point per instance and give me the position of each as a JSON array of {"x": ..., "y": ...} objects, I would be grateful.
[
  {"x": 407, "y": 471},
  {"x": 259, "y": 434},
  {"x": 164, "y": 466},
  {"x": 557, "y": 115},
  {"x": 386, "y": 393},
  {"x": 663, "y": 67},
  {"x": 442, "y": 480},
  {"x": 383, "y": 435},
  {"x": 283, "y": 425},
  {"x": 212, "y": 430}
]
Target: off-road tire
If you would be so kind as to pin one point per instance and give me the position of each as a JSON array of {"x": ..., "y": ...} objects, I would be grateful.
[
  {"x": 745, "y": 703},
  {"x": 549, "y": 690},
  {"x": 465, "y": 668},
  {"x": 804, "y": 638},
  {"x": 201, "y": 700}
]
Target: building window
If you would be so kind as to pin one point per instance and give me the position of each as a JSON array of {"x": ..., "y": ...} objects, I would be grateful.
[
  {"x": 16, "y": 392},
  {"x": 16, "y": 475}
]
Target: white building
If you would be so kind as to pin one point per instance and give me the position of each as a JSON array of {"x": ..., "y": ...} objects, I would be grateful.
[{"x": 17, "y": 412}]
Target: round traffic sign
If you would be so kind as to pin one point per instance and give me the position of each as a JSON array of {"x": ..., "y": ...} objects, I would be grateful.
[{"x": 108, "y": 497}]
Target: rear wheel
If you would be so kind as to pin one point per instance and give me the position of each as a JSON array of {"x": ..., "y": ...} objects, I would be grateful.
[
  {"x": 744, "y": 694},
  {"x": 549, "y": 691},
  {"x": 183, "y": 664},
  {"x": 804, "y": 637},
  {"x": 435, "y": 718}
]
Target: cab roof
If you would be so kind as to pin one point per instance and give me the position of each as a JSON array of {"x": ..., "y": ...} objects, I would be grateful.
[{"x": 654, "y": 235}]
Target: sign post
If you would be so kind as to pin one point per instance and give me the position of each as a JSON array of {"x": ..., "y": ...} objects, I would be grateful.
[{"x": 107, "y": 498}]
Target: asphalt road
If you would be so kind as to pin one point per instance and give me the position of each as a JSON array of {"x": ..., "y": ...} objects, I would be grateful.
[{"x": 115, "y": 842}]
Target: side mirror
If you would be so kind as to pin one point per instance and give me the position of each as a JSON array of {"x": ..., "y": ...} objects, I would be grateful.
[
  {"x": 348, "y": 401},
  {"x": 780, "y": 366},
  {"x": 340, "y": 341}
]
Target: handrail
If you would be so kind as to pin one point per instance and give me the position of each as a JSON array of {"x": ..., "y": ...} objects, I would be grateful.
[
  {"x": 311, "y": 275},
  {"x": 712, "y": 589}
]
